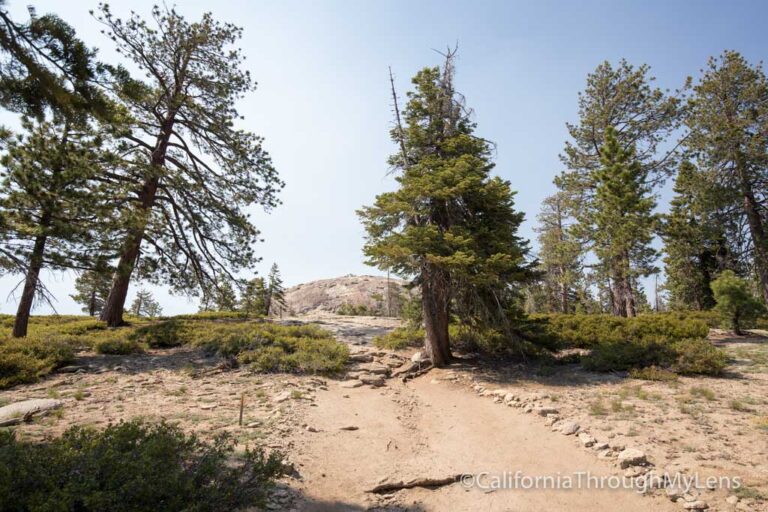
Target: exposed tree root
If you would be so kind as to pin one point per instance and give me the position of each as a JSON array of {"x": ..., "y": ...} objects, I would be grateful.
[{"x": 416, "y": 482}]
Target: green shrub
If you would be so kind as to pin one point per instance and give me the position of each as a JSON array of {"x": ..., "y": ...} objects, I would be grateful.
[
  {"x": 25, "y": 360},
  {"x": 117, "y": 343},
  {"x": 625, "y": 354},
  {"x": 737, "y": 306},
  {"x": 400, "y": 338},
  {"x": 273, "y": 347},
  {"x": 586, "y": 331},
  {"x": 349, "y": 309},
  {"x": 165, "y": 334},
  {"x": 129, "y": 467},
  {"x": 698, "y": 356}
]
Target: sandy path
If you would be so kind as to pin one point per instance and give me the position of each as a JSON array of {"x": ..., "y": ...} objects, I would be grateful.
[{"x": 434, "y": 428}]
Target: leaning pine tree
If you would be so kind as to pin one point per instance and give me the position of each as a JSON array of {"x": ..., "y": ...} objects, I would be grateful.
[
  {"x": 189, "y": 170},
  {"x": 449, "y": 226}
]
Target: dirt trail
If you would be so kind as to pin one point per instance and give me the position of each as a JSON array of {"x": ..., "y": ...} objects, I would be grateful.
[{"x": 431, "y": 427}]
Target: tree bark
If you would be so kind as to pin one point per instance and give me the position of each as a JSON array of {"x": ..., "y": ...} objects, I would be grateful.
[
  {"x": 759, "y": 238},
  {"x": 435, "y": 301},
  {"x": 114, "y": 306},
  {"x": 21, "y": 322}
]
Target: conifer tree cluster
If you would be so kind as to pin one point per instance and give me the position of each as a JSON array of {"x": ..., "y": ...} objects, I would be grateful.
[{"x": 143, "y": 176}]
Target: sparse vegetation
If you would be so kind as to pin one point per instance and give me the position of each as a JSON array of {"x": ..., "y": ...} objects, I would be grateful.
[
  {"x": 132, "y": 466},
  {"x": 400, "y": 338}
]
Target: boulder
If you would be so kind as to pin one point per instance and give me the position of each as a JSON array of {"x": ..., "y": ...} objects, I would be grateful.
[
  {"x": 15, "y": 413},
  {"x": 631, "y": 457},
  {"x": 568, "y": 428}
]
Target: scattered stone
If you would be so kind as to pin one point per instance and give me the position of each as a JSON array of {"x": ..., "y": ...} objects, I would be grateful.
[
  {"x": 282, "y": 397},
  {"x": 349, "y": 427},
  {"x": 372, "y": 380},
  {"x": 509, "y": 397},
  {"x": 631, "y": 457},
  {"x": 674, "y": 493},
  {"x": 15, "y": 413},
  {"x": 606, "y": 454},
  {"x": 208, "y": 407},
  {"x": 696, "y": 505},
  {"x": 361, "y": 357},
  {"x": 377, "y": 368},
  {"x": 253, "y": 424},
  {"x": 732, "y": 499},
  {"x": 310, "y": 428},
  {"x": 73, "y": 368},
  {"x": 586, "y": 439},
  {"x": 351, "y": 384},
  {"x": 600, "y": 446},
  {"x": 551, "y": 420},
  {"x": 546, "y": 411},
  {"x": 568, "y": 428}
]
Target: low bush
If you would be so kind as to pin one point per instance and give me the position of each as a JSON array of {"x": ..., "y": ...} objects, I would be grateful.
[
  {"x": 686, "y": 357},
  {"x": 400, "y": 338},
  {"x": 698, "y": 356},
  {"x": 132, "y": 466},
  {"x": 587, "y": 331},
  {"x": 165, "y": 334},
  {"x": 273, "y": 347},
  {"x": 25, "y": 360},
  {"x": 118, "y": 343}
]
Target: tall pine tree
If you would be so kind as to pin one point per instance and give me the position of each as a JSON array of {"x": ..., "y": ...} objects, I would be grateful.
[
  {"x": 449, "y": 226},
  {"x": 560, "y": 254},
  {"x": 695, "y": 240},
  {"x": 620, "y": 221},
  {"x": 728, "y": 132},
  {"x": 189, "y": 170}
]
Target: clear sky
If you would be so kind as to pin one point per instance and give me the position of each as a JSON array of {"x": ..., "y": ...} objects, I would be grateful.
[{"x": 323, "y": 101}]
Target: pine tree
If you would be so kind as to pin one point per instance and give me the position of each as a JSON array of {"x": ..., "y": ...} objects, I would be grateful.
[
  {"x": 621, "y": 98},
  {"x": 276, "y": 292},
  {"x": 735, "y": 302},
  {"x": 189, "y": 171},
  {"x": 145, "y": 305},
  {"x": 46, "y": 67},
  {"x": 220, "y": 296},
  {"x": 560, "y": 255},
  {"x": 51, "y": 203},
  {"x": 92, "y": 289},
  {"x": 449, "y": 225},
  {"x": 621, "y": 222},
  {"x": 728, "y": 123},
  {"x": 695, "y": 241},
  {"x": 253, "y": 300}
]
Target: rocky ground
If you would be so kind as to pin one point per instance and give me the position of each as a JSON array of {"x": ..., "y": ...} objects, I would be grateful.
[{"x": 369, "y": 441}]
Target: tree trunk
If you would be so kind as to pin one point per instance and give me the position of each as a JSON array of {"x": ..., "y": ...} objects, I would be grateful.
[
  {"x": 435, "y": 310},
  {"x": 30, "y": 285},
  {"x": 92, "y": 304},
  {"x": 759, "y": 238},
  {"x": 114, "y": 306}
]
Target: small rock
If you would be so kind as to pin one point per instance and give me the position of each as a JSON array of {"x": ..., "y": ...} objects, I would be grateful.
[
  {"x": 509, "y": 397},
  {"x": 569, "y": 428},
  {"x": 372, "y": 380},
  {"x": 551, "y": 420},
  {"x": 696, "y": 505},
  {"x": 377, "y": 368},
  {"x": 586, "y": 439},
  {"x": 208, "y": 407},
  {"x": 253, "y": 424},
  {"x": 600, "y": 446},
  {"x": 418, "y": 357},
  {"x": 546, "y": 411},
  {"x": 631, "y": 457},
  {"x": 349, "y": 427},
  {"x": 361, "y": 357},
  {"x": 606, "y": 454},
  {"x": 351, "y": 384},
  {"x": 674, "y": 493},
  {"x": 282, "y": 397},
  {"x": 732, "y": 499}
]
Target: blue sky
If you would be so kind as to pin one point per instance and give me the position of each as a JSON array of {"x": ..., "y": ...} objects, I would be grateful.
[{"x": 323, "y": 101}]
